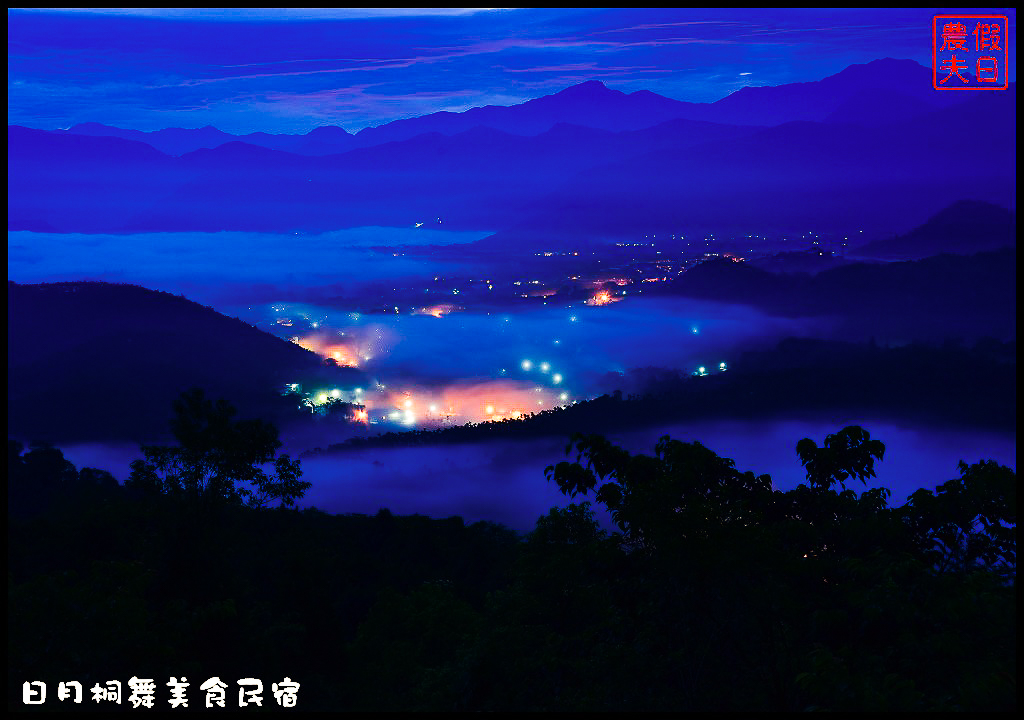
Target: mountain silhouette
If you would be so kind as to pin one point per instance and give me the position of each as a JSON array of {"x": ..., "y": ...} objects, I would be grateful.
[
  {"x": 874, "y": 108},
  {"x": 534, "y": 176},
  {"x": 798, "y": 176},
  {"x": 100, "y": 361},
  {"x": 875, "y": 93},
  {"x": 590, "y": 104},
  {"x": 479, "y": 178},
  {"x": 963, "y": 228},
  {"x": 870, "y": 86},
  {"x": 76, "y": 183},
  {"x": 936, "y": 297},
  {"x": 178, "y": 141}
]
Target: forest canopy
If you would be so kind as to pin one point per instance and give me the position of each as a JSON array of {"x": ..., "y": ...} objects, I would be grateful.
[{"x": 713, "y": 590}]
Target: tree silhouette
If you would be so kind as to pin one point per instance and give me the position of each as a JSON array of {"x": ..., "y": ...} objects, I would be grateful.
[
  {"x": 969, "y": 522},
  {"x": 684, "y": 490},
  {"x": 43, "y": 476},
  {"x": 717, "y": 593},
  {"x": 218, "y": 459},
  {"x": 848, "y": 453}
]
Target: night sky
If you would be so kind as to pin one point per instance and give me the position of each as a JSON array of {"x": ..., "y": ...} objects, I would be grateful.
[{"x": 289, "y": 71}]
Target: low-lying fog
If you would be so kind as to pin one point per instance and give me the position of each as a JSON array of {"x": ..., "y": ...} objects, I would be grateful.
[
  {"x": 504, "y": 481},
  {"x": 225, "y": 268},
  {"x": 478, "y": 365},
  {"x": 558, "y": 348},
  {"x": 463, "y": 362}
]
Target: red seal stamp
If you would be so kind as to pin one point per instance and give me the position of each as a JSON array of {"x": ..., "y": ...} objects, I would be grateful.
[{"x": 970, "y": 52}]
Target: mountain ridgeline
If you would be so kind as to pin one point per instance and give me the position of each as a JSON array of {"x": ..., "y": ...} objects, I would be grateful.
[
  {"x": 961, "y": 229},
  {"x": 947, "y": 285},
  {"x": 866, "y": 148},
  {"x": 874, "y": 93}
]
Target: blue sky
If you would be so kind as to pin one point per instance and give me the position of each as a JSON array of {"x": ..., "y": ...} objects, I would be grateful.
[{"x": 290, "y": 70}]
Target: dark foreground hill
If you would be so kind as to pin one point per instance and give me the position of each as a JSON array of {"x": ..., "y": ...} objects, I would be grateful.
[{"x": 99, "y": 361}]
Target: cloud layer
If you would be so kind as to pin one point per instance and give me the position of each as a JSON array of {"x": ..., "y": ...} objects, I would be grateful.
[{"x": 290, "y": 70}]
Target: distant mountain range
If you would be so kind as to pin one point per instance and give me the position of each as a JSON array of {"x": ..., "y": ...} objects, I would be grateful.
[
  {"x": 98, "y": 361},
  {"x": 962, "y": 229},
  {"x": 799, "y": 176},
  {"x": 867, "y": 148},
  {"x": 947, "y": 295},
  {"x": 871, "y": 94},
  {"x": 477, "y": 179},
  {"x": 178, "y": 141}
]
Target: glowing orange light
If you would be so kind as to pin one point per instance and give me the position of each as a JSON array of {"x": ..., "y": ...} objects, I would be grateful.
[
  {"x": 437, "y": 311},
  {"x": 343, "y": 354},
  {"x": 460, "y": 402},
  {"x": 601, "y": 298}
]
